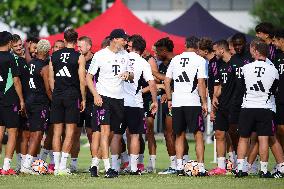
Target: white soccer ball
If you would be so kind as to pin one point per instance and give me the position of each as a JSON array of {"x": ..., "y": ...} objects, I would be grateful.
[
  {"x": 191, "y": 168},
  {"x": 39, "y": 166}
]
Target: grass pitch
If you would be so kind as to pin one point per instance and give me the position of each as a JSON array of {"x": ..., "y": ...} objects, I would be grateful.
[{"x": 151, "y": 181}]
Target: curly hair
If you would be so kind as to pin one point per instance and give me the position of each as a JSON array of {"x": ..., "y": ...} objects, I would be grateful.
[{"x": 43, "y": 46}]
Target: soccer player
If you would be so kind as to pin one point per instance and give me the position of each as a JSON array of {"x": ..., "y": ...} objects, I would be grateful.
[
  {"x": 30, "y": 48},
  {"x": 37, "y": 103},
  {"x": 260, "y": 80},
  {"x": 279, "y": 64},
  {"x": 265, "y": 31},
  {"x": 11, "y": 100},
  {"x": 133, "y": 101},
  {"x": 223, "y": 92},
  {"x": 59, "y": 44},
  {"x": 188, "y": 101},
  {"x": 114, "y": 67},
  {"x": 23, "y": 131},
  {"x": 67, "y": 82},
  {"x": 84, "y": 47}
]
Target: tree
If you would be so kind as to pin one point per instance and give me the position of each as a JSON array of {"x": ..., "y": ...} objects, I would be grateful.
[
  {"x": 270, "y": 11},
  {"x": 31, "y": 16}
]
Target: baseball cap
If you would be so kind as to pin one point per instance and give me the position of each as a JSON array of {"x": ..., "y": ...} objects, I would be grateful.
[{"x": 118, "y": 33}]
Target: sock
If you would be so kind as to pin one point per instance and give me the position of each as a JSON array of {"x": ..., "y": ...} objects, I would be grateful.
[
  {"x": 246, "y": 165},
  {"x": 7, "y": 164},
  {"x": 201, "y": 167},
  {"x": 74, "y": 163},
  {"x": 23, "y": 157},
  {"x": 124, "y": 157},
  {"x": 114, "y": 162},
  {"x": 133, "y": 162},
  {"x": 152, "y": 161},
  {"x": 56, "y": 156},
  {"x": 263, "y": 166},
  {"x": 280, "y": 167},
  {"x": 106, "y": 164},
  {"x": 221, "y": 162},
  {"x": 141, "y": 159},
  {"x": 19, "y": 160},
  {"x": 51, "y": 157},
  {"x": 43, "y": 154},
  {"x": 63, "y": 161},
  {"x": 232, "y": 157},
  {"x": 28, "y": 161},
  {"x": 95, "y": 162},
  {"x": 240, "y": 164},
  {"x": 173, "y": 162},
  {"x": 185, "y": 158},
  {"x": 179, "y": 164},
  {"x": 256, "y": 162}
]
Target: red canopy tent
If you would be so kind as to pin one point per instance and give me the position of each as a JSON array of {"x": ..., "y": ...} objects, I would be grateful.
[{"x": 119, "y": 16}]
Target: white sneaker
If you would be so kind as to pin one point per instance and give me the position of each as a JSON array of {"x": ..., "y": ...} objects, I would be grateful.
[
  {"x": 27, "y": 171},
  {"x": 149, "y": 170},
  {"x": 274, "y": 170},
  {"x": 73, "y": 169},
  {"x": 63, "y": 172}
]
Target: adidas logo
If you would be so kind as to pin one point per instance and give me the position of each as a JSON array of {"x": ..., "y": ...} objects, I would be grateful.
[
  {"x": 1, "y": 79},
  {"x": 182, "y": 78},
  {"x": 64, "y": 72},
  {"x": 258, "y": 87}
]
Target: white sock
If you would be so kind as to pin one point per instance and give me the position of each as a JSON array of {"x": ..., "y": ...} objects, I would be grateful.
[
  {"x": 106, "y": 164},
  {"x": 263, "y": 166},
  {"x": 246, "y": 165},
  {"x": 141, "y": 159},
  {"x": 74, "y": 162},
  {"x": 280, "y": 167},
  {"x": 43, "y": 154},
  {"x": 51, "y": 157},
  {"x": 152, "y": 161},
  {"x": 179, "y": 165},
  {"x": 185, "y": 158},
  {"x": 56, "y": 156},
  {"x": 63, "y": 161},
  {"x": 7, "y": 164},
  {"x": 95, "y": 162},
  {"x": 240, "y": 163},
  {"x": 232, "y": 157},
  {"x": 173, "y": 162},
  {"x": 221, "y": 162},
  {"x": 133, "y": 162},
  {"x": 124, "y": 157},
  {"x": 23, "y": 157},
  {"x": 115, "y": 162},
  {"x": 201, "y": 167},
  {"x": 28, "y": 161}
]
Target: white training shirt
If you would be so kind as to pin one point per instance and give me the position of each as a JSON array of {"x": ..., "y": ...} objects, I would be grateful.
[
  {"x": 110, "y": 66},
  {"x": 259, "y": 77},
  {"x": 133, "y": 89},
  {"x": 185, "y": 69}
]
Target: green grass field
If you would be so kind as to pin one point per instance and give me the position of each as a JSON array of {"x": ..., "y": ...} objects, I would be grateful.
[{"x": 151, "y": 181}]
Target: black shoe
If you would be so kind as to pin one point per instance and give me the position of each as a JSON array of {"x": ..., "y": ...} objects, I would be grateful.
[
  {"x": 266, "y": 175},
  {"x": 111, "y": 173},
  {"x": 241, "y": 174},
  {"x": 94, "y": 171},
  {"x": 278, "y": 174},
  {"x": 180, "y": 173},
  {"x": 202, "y": 174},
  {"x": 138, "y": 172}
]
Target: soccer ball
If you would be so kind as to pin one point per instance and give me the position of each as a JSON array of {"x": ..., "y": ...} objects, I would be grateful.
[
  {"x": 191, "y": 168},
  {"x": 229, "y": 165},
  {"x": 39, "y": 166}
]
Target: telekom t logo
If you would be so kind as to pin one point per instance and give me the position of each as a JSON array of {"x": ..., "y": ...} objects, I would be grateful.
[{"x": 64, "y": 57}]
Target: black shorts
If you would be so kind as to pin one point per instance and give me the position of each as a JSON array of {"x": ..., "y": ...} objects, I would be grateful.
[
  {"x": 234, "y": 115},
  {"x": 280, "y": 114},
  {"x": 9, "y": 116},
  {"x": 111, "y": 113},
  {"x": 187, "y": 117},
  {"x": 221, "y": 120},
  {"x": 24, "y": 124},
  {"x": 65, "y": 110},
  {"x": 133, "y": 120},
  {"x": 165, "y": 110},
  {"x": 86, "y": 116},
  {"x": 147, "y": 104},
  {"x": 38, "y": 117},
  {"x": 258, "y": 119}
]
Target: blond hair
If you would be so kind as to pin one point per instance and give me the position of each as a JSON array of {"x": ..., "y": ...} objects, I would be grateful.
[{"x": 43, "y": 46}]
